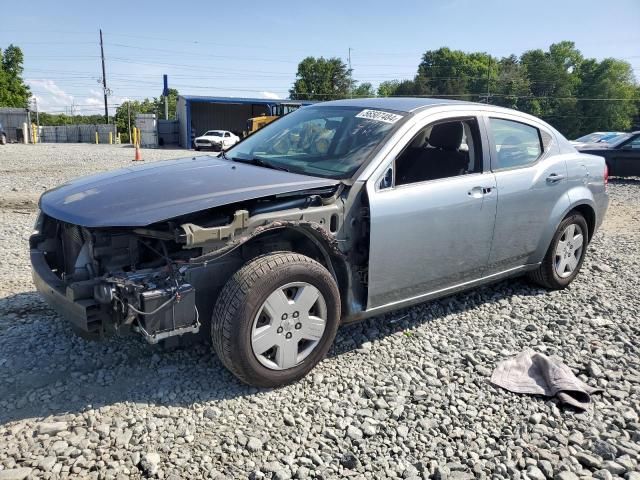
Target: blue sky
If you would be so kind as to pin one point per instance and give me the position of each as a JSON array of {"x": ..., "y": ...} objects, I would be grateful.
[{"x": 252, "y": 48}]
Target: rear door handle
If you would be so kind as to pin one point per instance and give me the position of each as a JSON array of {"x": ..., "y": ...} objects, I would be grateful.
[
  {"x": 478, "y": 192},
  {"x": 554, "y": 178}
]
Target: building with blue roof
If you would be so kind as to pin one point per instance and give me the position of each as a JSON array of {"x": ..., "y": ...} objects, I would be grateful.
[{"x": 197, "y": 114}]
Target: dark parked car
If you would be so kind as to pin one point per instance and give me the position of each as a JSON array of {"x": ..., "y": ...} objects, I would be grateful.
[
  {"x": 334, "y": 213},
  {"x": 622, "y": 156},
  {"x": 3, "y": 136}
]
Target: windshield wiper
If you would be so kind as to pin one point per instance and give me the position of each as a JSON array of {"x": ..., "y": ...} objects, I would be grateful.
[{"x": 260, "y": 162}]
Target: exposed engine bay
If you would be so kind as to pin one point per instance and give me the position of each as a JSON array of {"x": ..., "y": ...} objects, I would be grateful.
[{"x": 162, "y": 280}]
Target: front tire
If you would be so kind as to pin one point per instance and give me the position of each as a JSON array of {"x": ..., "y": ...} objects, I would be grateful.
[
  {"x": 276, "y": 319},
  {"x": 566, "y": 253},
  {"x": 3, "y": 139}
]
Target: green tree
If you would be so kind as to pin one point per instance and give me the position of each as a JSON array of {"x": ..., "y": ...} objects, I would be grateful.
[
  {"x": 554, "y": 78},
  {"x": 321, "y": 79},
  {"x": 454, "y": 73},
  {"x": 133, "y": 107},
  {"x": 511, "y": 85},
  {"x": 388, "y": 88},
  {"x": 13, "y": 91},
  {"x": 611, "y": 79},
  {"x": 364, "y": 90}
]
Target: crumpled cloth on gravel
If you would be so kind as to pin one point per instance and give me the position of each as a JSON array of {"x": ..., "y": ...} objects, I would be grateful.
[{"x": 535, "y": 373}]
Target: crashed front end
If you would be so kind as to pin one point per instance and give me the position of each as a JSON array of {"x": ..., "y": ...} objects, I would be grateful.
[
  {"x": 162, "y": 280},
  {"x": 107, "y": 281}
]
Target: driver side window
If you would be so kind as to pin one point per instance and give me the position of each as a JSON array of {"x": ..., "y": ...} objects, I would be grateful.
[{"x": 441, "y": 150}]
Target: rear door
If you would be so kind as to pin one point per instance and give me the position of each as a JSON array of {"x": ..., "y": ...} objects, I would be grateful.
[
  {"x": 530, "y": 181},
  {"x": 432, "y": 234}
]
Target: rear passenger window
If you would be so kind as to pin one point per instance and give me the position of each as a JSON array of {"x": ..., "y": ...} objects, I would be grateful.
[{"x": 517, "y": 144}]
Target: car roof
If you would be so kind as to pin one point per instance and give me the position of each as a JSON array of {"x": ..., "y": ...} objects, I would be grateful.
[{"x": 401, "y": 104}]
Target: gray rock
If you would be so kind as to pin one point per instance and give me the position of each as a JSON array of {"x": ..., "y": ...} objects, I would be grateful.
[
  {"x": 150, "y": 463},
  {"x": 589, "y": 461},
  {"x": 15, "y": 473},
  {"x": 46, "y": 464},
  {"x": 536, "y": 418},
  {"x": 547, "y": 468},
  {"x": 534, "y": 473},
  {"x": 603, "y": 475},
  {"x": 349, "y": 460},
  {"x": 254, "y": 444},
  {"x": 565, "y": 475},
  {"x": 52, "y": 428},
  {"x": 614, "y": 467},
  {"x": 354, "y": 433}
]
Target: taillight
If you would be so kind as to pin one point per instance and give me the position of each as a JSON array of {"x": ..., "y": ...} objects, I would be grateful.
[{"x": 606, "y": 174}]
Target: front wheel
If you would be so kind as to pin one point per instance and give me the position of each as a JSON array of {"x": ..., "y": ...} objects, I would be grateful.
[
  {"x": 566, "y": 253},
  {"x": 276, "y": 319},
  {"x": 3, "y": 139}
]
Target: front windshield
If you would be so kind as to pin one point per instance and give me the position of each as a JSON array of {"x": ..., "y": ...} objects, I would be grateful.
[
  {"x": 324, "y": 141},
  {"x": 213, "y": 133}
]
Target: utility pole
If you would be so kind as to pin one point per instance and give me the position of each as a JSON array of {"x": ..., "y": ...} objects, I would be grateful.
[
  {"x": 129, "y": 115},
  {"x": 350, "y": 76},
  {"x": 104, "y": 81},
  {"x": 165, "y": 93},
  {"x": 488, "y": 79},
  {"x": 35, "y": 101}
]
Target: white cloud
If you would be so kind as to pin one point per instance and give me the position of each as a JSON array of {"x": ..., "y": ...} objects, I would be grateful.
[
  {"x": 53, "y": 98},
  {"x": 49, "y": 95},
  {"x": 272, "y": 95}
]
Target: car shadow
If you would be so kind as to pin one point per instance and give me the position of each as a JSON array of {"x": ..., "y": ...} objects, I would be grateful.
[
  {"x": 46, "y": 370},
  {"x": 625, "y": 180}
]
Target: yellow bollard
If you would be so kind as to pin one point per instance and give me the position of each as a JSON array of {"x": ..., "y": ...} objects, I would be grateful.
[
  {"x": 133, "y": 136},
  {"x": 96, "y": 137},
  {"x": 110, "y": 138},
  {"x": 34, "y": 133}
]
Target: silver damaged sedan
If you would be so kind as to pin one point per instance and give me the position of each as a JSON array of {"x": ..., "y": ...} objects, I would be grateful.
[{"x": 334, "y": 213}]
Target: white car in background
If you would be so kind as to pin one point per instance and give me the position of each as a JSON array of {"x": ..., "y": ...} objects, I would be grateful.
[{"x": 216, "y": 140}]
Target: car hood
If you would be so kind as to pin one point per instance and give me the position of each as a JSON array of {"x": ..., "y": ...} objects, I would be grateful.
[{"x": 141, "y": 195}]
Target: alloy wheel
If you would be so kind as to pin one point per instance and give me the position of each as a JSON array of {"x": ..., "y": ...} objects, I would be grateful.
[
  {"x": 289, "y": 325},
  {"x": 568, "y": 251}
]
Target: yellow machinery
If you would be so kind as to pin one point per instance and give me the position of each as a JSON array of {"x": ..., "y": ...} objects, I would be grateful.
[{"x": 256, "y": 123}]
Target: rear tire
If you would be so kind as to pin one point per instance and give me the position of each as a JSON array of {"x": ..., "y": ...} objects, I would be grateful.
[
  {"x": 263, "y": 302},
  {"x": 197, "y": 149},
  {"x": 3, "y": 139},
  {"x": 566, "y": 253}
]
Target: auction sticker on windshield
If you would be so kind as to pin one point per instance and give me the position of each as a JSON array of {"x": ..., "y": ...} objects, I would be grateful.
[{"x": 379, "y": 116}]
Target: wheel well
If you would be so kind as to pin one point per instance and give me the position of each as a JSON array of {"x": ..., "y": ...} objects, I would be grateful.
[
  {"x": 304, "y": 243},
  {"x": 589, "y": 215}
]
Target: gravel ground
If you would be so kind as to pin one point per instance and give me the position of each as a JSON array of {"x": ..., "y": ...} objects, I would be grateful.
[{"x": 404, "y": 395}]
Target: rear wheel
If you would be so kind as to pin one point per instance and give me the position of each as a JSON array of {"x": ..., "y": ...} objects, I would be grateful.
[
  {"x": 3, "y": 139},
  {"x": 197, "y": 149},
  {"x": 566, "y": 253},
  {"x": 276, "y": 319}
]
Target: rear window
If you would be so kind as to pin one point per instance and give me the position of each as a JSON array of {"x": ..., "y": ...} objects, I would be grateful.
[{"x": 517, "y": 144}]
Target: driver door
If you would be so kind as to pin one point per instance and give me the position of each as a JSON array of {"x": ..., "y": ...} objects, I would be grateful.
[{"x": 430, "y": 233}]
